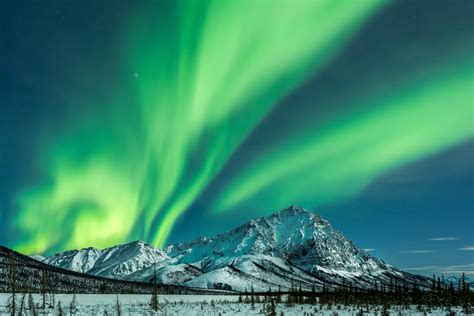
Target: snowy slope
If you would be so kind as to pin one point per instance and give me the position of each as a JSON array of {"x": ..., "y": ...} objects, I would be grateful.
[
  {"x": 75, "y": 260},
  {"x": 115, "y": 262},
  {"x": 125, "y": 259},
  {"x": 292, "y": 246},
  {"x": 37, "y": 257}
]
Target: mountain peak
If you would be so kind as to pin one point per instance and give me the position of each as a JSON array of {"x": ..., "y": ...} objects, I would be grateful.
[
  {"x": 293, "y": 210},
  {"x": 298, "y": 211},
  {"x": 138, "y": 243}
]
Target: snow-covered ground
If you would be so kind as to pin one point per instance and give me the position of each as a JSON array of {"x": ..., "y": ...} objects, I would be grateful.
[{"x": 205, "y": 305}]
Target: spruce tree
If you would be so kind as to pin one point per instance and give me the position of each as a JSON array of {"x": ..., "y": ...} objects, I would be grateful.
[
  {"x": 312, "y": 299},
  {"x": 31, "y": 302},
  {"x": 300, "y": 295},
  {"x": 154, "y": 300},
  {"x": 22, "y": 305},
  {"x": 44, "y": 291},
  {"x": 252, "y": 297},
  {"x": 118, "y": 307},
  {"x": 271, "y": 310},
  {"x": 73, "y": 305},
  {"x": 465, "y": 296},
  {"x": 60, "y": 309},
  {"x": 154, "y": 296},
  {"x": 450, "y": 296},
  {"x": 12, "y": 301}
]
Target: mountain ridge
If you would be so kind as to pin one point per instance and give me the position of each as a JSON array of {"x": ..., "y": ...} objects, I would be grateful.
[
  {"x": 290, "y": 246},
  {"x": 26, "y": 274}
]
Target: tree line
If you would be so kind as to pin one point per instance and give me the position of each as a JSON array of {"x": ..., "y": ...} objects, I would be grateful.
[
  {"x": 25, "y": 274},
  {"x": 401, "y": 295}
]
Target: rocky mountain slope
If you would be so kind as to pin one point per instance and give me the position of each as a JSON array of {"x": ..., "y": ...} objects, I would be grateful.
[{"x": 291, "y": 247}]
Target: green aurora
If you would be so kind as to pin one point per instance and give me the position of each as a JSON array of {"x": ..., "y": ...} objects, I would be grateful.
[
  {"x": 205, "y": 74},
  {"x": 194, "y": 82},
  {"x": 386, "y": 133}
]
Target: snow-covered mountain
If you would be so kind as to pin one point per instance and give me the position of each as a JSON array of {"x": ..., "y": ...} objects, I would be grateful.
[
  {"x": 114, "y": 262},
  {"x": 292, "y": 246},
  {"x": 76, "y": 260}
]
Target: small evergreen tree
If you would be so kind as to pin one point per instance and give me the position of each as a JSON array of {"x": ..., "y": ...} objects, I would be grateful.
[
  {"x": 154, "y": 298},
  {"x": 22, "y": 305},
  {"x": 12, "y": 300},
  {"x": 271, "y": 310},
  {"x": 31, "y": 303},
  {"x": 465, "y": 296},
  {"x": 278, "y": 298},
  {"x": 60, "y": 309},
  {"x": 73, "y": 304},
  {"x": 118, "y": 307},
  {"x": 52, "y": 300},
  {"x": 44, "y": 290},
  {"x": 252, "y": 297},
  {"x": 312, "y": 298}
]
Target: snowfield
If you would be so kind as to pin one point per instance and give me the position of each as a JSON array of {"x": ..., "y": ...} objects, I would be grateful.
[{"x": 205, "y": 305}]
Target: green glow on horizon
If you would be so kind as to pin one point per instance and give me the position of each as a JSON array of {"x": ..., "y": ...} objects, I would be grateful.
[
  {"x": 204, "y": 81},
  {"x": 336, "y": 161}
]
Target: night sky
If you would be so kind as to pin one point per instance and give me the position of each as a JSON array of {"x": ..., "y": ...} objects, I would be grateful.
[{"x": 169, "y": 120}]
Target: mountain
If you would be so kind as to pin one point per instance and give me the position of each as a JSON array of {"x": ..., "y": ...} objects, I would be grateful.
[
  {"x": 113, "y": 262},
  {"x": 290, "y": 247},
  {"x": 25, "y": 274},
  {"x": 76, "y": 260}
]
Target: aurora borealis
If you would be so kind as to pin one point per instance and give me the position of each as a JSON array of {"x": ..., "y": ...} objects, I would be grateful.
[{"x": 166, "y": 120}]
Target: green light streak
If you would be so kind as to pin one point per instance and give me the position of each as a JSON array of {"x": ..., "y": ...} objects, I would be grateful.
[
  {"x": 207, "y": 73},
  {"x": 337, "y": 161},
  {"x": 93, "y": 199},
  {"x": 236, "y": 81}
]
